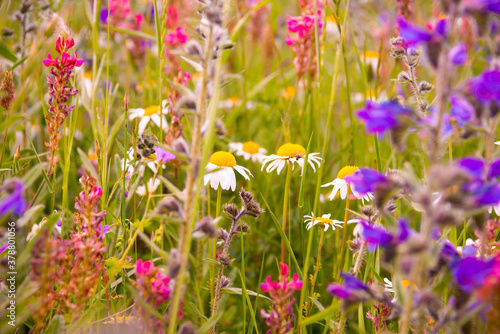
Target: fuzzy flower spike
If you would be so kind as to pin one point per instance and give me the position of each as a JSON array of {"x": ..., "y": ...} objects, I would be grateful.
[
  {"x": 281, "y": 317},
  {"x": 340, "y": 184},
  {"x": 59, "y": 91},
  {"x": 290, "y": 153},
  {"x": 220, "y": 171}
]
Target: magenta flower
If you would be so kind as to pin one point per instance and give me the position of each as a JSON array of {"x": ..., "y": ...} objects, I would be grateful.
[
  {"x": 60, "y": 92},
  {"x": 177, "y": 37},
  {"x": 144, "y": 268},
  {"x": 281, "y": 317}
]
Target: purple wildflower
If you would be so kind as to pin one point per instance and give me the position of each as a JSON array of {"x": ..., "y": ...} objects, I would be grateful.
[
  {"x": 486, "y": 86},
  {"x": 461, "y": 110},
  {"x": 366, "y": 180},
  {"x": 375, "y": 236},
  {"x": 471, "y": 272},
  {"x": 458, "y": 55},
  {"x": 162, "y": 155},
  {"x": 281, "y": 317},
  {"x": 484, "y": 193},
  {"x": 381, "y": 117},
  {"x": 14, "y": 202},
  {"x": 473, "y": 166},
  {"x": 414, "y": 34},
  {"x": 482, "y": 6},
  {"x": 352, "y": 289},
  {"x": 476, "y": 167}
]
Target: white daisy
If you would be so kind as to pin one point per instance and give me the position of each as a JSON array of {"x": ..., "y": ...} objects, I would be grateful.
[
  {"x": 36, "y": 228},
  {"x": 496, "y": 208},
  {"x": 325, "y": 221},
  {"x": 341, "y": 185},
  {"x": 290, "y": 153},
  {"x": 151, "y": 113},
  {"x": 249, "y": 149},
  {"x": 220, "y": 171},
  {"x": 150, "y": 187},
  {"x": 151, "y": 162},
  {"x": 370, "y": 59},
  {"x": 389, "y": 286}
]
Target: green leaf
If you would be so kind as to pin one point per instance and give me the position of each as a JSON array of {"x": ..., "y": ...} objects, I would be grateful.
[
  {"x": 327, "y": 312},
  {"x": 238, "y": 291},
  {"x": 56, "y": 325},
  {"x": 6, "y": 53},
  {"x": 244, "y": 290}
]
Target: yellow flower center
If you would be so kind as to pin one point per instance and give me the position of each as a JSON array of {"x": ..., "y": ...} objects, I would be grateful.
[
  {"x": 323, "y": 221},
  {"x": 347, "y": 170},
  {"x": 87, "y": 75},
  {"x": 251, "y": 147},
  {"x": 127, "y": 319},
  {"x": 152, "y": 157},
  {"x": 369, "y": 54},
  {"x": 151, "y": 110},
  {"x": 291, "y": 150},
  {"x": 223, "y": 159},
  {"x": 92, "y": 156},
  {"x": 405, "y": 283}
]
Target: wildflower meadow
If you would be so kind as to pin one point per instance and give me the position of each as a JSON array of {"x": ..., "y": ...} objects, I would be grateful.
[{"x": 249, "y": 166}]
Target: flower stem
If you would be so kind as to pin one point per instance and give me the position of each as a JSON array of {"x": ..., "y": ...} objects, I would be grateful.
[
  {"x": 344, "y": 233},
  {"x": 285, "y": 208}
]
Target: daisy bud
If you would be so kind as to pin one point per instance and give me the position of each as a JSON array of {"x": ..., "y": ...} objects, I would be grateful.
[
  {"x": 125, "y": 102},
  {"x": 17, "y": 155}
]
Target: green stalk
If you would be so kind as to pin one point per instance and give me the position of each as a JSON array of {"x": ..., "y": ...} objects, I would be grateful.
[
  {"x": 344, "y": 233},
  {"x": 285, "y": 207}
]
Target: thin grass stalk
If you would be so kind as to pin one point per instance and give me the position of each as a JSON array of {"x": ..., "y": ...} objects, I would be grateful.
[
  {"x": 286, "y": 201},
  {"x": 344, "y": 233}
]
